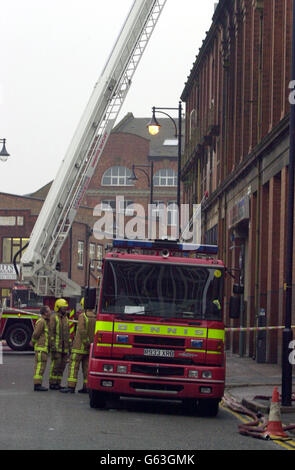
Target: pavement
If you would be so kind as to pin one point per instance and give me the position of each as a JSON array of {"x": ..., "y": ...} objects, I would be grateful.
[{"x": 252, "y": 384}]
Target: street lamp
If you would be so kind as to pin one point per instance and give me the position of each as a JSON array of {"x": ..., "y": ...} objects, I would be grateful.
[
  {"x": 3, "y": 154},
  {"x": 154, "y": 126},
  {"x": 154, "y": 129},
  {"x": 150, "y": 178}
]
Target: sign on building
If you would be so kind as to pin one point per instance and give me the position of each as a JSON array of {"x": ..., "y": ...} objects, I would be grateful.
[
  {"x": 239, "y": 212},
  {"x": 7, "y": 272}
]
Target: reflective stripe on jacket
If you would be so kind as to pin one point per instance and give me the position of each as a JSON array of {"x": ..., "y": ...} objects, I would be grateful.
[
  {"x": 40, "y": 337},
  {"x": 59, "y": 333},
  {"x": 85, "y": 332}
]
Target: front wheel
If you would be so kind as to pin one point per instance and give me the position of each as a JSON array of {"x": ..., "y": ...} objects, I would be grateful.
[
  {"x": 208, "y": 407},
  {"x": 97, "y": 399},
  {"x": 18, "y": 336},
  {"x": 190, "y": 405}
]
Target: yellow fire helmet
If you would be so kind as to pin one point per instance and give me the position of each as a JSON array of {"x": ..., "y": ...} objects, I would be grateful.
[{"x": 60, "y": 303}]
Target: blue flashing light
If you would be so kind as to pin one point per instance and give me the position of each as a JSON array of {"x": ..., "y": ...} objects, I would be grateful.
[
  {"x": 202, "y": 249},
  {"x": 144, "y": 245},
  {"x": 166, "y": 245}
]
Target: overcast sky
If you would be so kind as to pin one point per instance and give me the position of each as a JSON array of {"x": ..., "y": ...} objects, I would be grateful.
[{"x": 52, "y": 53}]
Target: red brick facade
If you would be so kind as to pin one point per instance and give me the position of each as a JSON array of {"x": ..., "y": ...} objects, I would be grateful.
[
  {"x": 237, "y": 149},
  {"x": 130, "y": 144}
]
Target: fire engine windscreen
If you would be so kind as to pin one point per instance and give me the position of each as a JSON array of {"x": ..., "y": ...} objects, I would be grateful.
[
  {"x": 26, "y": 298},
  {"x": 162, "y": 290}
]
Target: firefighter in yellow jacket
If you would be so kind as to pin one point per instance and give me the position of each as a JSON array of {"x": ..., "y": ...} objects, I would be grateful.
[
  {"x": 60, "y": 343},
  {"x": 80, "y": 351},
  {"x": 40, "y": 341}
]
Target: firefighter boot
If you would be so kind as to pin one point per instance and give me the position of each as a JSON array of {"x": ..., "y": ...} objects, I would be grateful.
[
  {"x": 55, "y": 387},
  {"x": 67, "y": 390},
  {"x": 83, "y": 390},
  {"x": 39, "y": 388}
]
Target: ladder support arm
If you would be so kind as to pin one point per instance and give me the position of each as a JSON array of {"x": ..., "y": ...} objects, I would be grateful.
[{"x": 74, "y": 175}]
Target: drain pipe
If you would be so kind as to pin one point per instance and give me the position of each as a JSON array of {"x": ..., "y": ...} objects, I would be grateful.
[{"x": 259, "y": 7}]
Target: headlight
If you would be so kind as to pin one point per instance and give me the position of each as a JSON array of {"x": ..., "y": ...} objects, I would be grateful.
[
  {"x": 207, "y": 374},
  {"x": 122, "y": 369},
  {"x": 108, "y": 368},
  {"x": 193, "y": 373},
  {"x": 107, "y": 383},
  {"x": 206, "y": 390}
]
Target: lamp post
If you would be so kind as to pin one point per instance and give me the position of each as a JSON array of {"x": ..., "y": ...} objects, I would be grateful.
[
  {"x": 150, "y": 178},
  {"x": 287, "y": 333},
  {"x": 3, "y": 154},
  {"x": 154, "y": 128}
]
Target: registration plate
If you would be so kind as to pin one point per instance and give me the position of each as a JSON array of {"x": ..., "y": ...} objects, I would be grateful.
[{"x": 158, "y": 353}]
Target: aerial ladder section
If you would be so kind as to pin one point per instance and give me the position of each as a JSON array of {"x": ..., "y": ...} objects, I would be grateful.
[{"x": 38, "y": 263}]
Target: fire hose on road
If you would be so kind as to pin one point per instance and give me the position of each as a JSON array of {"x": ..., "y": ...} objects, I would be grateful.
[{"x": 259, "y": 426}]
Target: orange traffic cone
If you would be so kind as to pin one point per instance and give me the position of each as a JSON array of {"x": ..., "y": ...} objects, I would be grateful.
[{"x": 274, "y": 428}]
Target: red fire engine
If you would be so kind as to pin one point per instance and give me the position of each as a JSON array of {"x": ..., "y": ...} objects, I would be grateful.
[
  {"x": 17, "y": 319},
  {"x": 16, "y": 326},
  {"x": 160, "y": 331}
]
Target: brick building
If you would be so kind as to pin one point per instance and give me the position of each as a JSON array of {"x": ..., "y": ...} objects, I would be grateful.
[
  {"x": 237, "y": 149},
  {"x": 18, "y": 215},
  {"x": 129, "y": 144}
]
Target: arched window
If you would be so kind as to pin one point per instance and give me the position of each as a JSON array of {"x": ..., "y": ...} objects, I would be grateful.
[
  {"x": 165, "y": 177},
  {"x": 117, "y": 176}
]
